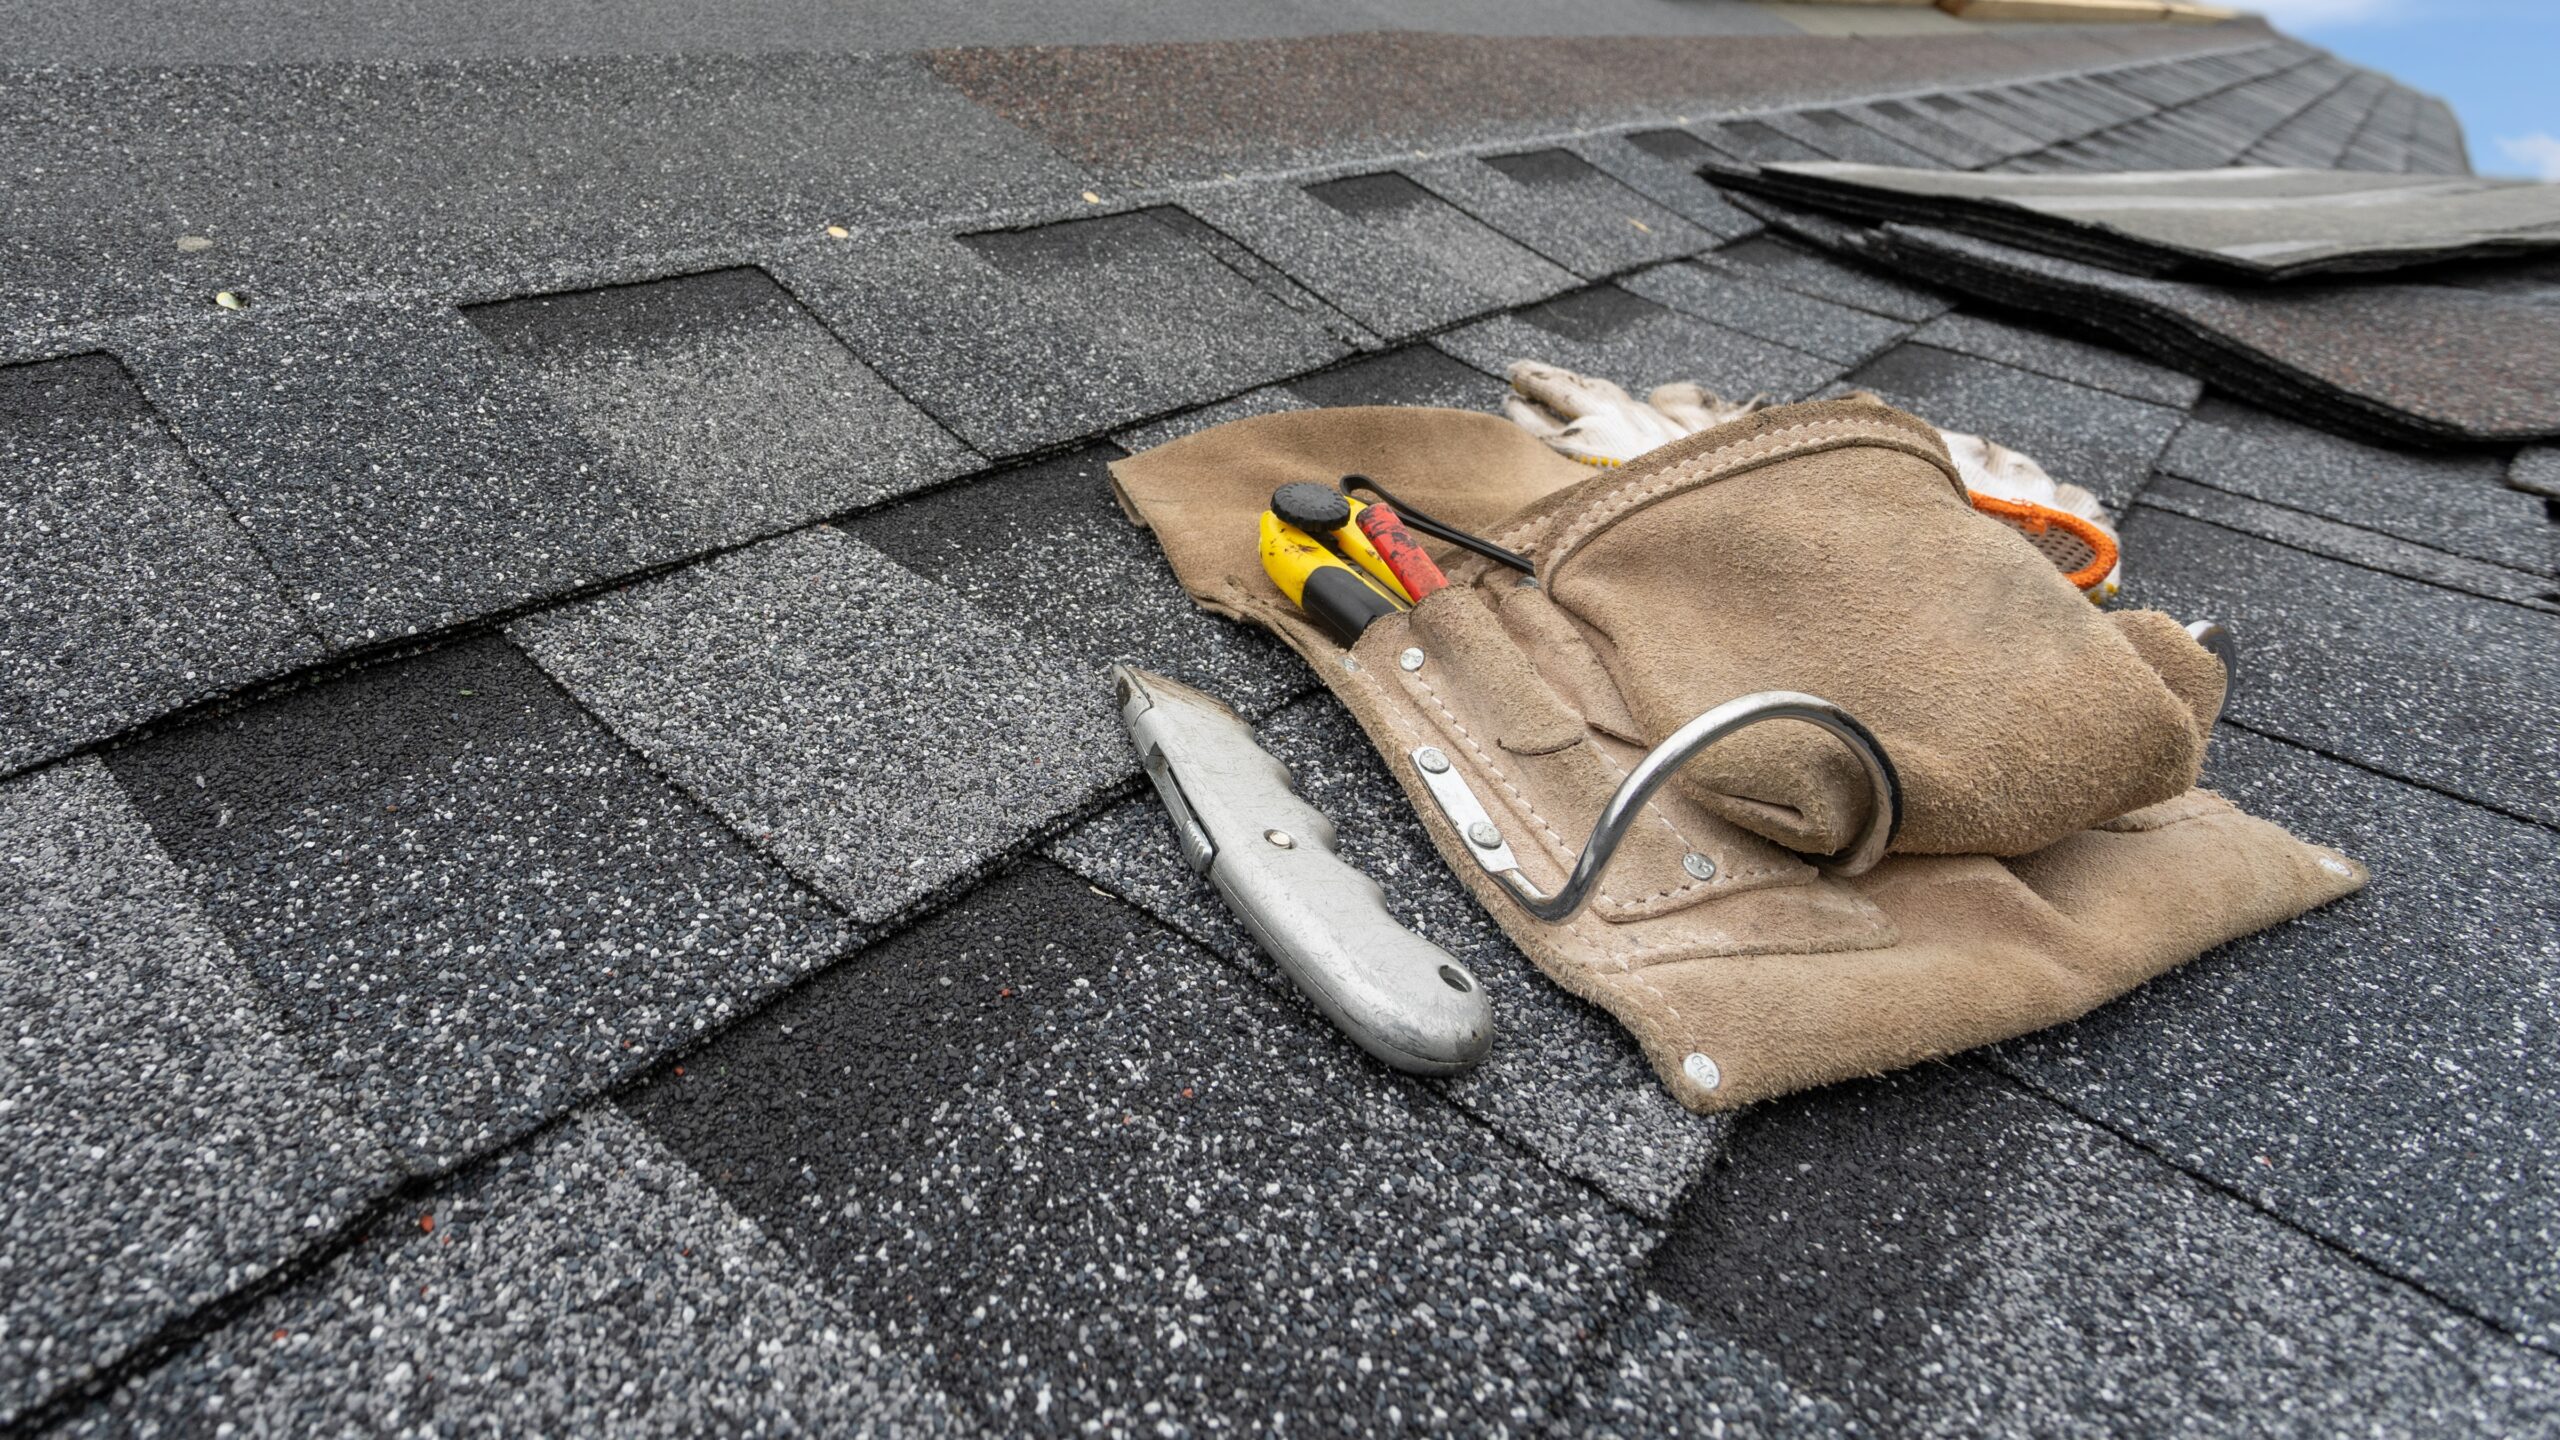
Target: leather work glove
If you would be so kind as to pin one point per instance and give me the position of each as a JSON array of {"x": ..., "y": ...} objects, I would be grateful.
[{"x": 1597, "y": 423}]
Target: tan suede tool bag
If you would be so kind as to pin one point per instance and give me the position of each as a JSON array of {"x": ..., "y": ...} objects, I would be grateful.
[{"x": 2043, "y": 846}]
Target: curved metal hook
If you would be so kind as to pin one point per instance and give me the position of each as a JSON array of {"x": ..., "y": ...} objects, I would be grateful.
[{"x": 1649, "y": 775}]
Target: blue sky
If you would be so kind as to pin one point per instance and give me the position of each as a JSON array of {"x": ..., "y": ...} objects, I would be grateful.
[{"x": 2497, "y": 61}]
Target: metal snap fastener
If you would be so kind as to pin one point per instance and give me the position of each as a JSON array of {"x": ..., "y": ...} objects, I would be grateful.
[
  {"x": 1281, "y": 838},
  {"x": 1411, "y": 659},
  {"x": 1702, "y": 1070},
  {"x": 1430, "y": 758},
  {"x": 1483, "y": 833},
  {"x": 1698, "y": 866}
]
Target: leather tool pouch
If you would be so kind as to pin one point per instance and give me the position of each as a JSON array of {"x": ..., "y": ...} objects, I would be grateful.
[{"x": 1822, "y": 548}]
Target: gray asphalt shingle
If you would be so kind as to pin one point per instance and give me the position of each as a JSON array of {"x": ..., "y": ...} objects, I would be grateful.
[
  {"x": 1765, "y": 257},
  {"x": 735, "y": 412},
  {"x": 1092, "y": 1177},
  {"x": 1021, "y": 339},
  {"x": 469, "y": 902},
  {"x": 1772, "y": 312},
  {"x": 1937, "y": 1254},
  {"x": 397, "y": 475},
  {"x": 2377, "y": 1072},
  {"x": 1662, "y": 166},
  {"x": 2063, "y": 358},
  {"x": 2086, "y": 437},
  {"x": 1564, "y": 1081},
  {"x": 167, "y": 1144},
  {"x": 2300, "y": 530},
  {"x": 126, "y": 590},
  {"x": 2447, "y": 500},
  {"x": 2429, "y": 685},
  {"x": 1615, "y": 334},
  {"x": 1390, "y": 254},
  {"x": 875, "y": 733},
  {"x": 1565, "y": 208},
  {"x": 1045, "y": 548},
  {"x": 586, "y": 1284}
]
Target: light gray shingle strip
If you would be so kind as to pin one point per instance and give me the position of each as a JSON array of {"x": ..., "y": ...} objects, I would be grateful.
[
  {"x": 1772, "y": 312},
  {"x": 470, "y": 902},
  {"x": 2302, "y": 530},
  {"x": 1099, "y": 1178},
  {"x": 2063, "y": 358},
  {"x": 1938, "y": 1254},
  {"x": 873, "y": 732},
  {"x": 2536, "y": 470},
  {"x": 1561, "y": 206},
  {"x": 2450, "y": 500},
  {"x": 1389, "y": 253},
  {"x": 1018, "y": 340},
  {"x": 2376, "y": 1071},
  {"x": 1046, "y": 549},
  {"x": 168, "y": 1144},
  {"x": 2443, "y": 689},
  {"x": 1623, "y": 337},
  {"x": 585, "y": 1284},
  {"x": 126, "y": 590},
  {"x": 733, "y": 411},
  {"x": 1843, "y": 137},
  {"x": 396, "y": 474}
]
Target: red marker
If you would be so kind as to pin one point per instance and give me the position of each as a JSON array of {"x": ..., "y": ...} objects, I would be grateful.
[{"x": 1413, "y": 569}]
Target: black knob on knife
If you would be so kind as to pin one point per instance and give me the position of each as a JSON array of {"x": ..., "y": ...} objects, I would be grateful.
[{"x": 1317, "y": 509}]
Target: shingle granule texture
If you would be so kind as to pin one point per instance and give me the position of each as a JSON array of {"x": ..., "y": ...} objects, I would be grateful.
[
  {"x": 1045, "y": 548},
  {"x": 1094, "y": 1177},
  {"x": 1612, "y": 332},
  {"x": 125, "y": 588},
  {"x": 2084, "y": 437},
  {"x": 1564, "y": 1082},
  {"x": 586, "y": 1284},
  {"x": 2450, "y": 501},
  {"x": 1560, "y": 205},
  {"x": 870, "y": 730},
  {"x": 397, "y": 475},
  {"x": 431, "y": 176},
  {"x": 1938, "y": 1254},
  {"x": 2377, "y": 1071},
  {"x": 1772, "y": 312},
  {"x": 2062, "y": 357},
  {"x": 1662, "y": 166},
  {"x": 730, "y": 406},
  {"x": 1387, "y": 252},
  {"x": 1780, "y": 262},
  {"x": 472, "y": 903},
  {"x": 167, "y": 1144},
  {"x": 2425, "y": 684},
  {"x": 1021, "y": 339},
  {"x": 2301, "y": 530},
  {"x": 1666, "y": 1378}
]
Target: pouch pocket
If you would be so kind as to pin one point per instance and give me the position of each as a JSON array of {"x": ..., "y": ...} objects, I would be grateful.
[{"x": 1846, "y": 562}]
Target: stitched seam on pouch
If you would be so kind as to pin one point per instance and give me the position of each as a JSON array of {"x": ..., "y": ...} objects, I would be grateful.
[{"x": 1773, "y": 445}]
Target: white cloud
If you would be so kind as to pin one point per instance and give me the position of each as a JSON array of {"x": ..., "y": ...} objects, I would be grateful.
[
  {"x": 2302, "y": 14},
  {"x": 2538, "y": 153}
]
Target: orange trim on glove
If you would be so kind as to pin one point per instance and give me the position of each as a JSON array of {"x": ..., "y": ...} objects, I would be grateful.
[{"x": 2037, "y": 522}]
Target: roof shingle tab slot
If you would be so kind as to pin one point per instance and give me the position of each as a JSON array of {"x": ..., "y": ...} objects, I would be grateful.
[
  {"x": 872, "y": 731},
  {"x": 1560, "y": 205},
  {"x": 126, "y": 590},
  {"x": 475, "y": 901}
]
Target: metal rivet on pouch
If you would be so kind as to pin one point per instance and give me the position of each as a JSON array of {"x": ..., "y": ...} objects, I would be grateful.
[
  {"x": 1430, "y": 759},
  {"x": 1410, "y": 659},
  {"x": 1702, "y": 1070},
  {"x": 1698, "y": 866},
  {"x": 1483, "y": 833},
  {"x": 1281, "y": 838}
]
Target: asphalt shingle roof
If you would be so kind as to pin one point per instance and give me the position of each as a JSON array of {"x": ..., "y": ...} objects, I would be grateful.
[{"x": 565, "y": 865}]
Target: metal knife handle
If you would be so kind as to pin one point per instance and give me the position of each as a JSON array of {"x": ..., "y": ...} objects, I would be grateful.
[{"x": 1272, "y": 858}]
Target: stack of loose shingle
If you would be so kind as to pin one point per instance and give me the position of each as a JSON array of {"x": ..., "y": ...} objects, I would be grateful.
[{"x": 2265, "y": 283}]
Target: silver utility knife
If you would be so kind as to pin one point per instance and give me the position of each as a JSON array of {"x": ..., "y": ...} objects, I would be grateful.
[{"x": 1271, "y": 856}]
